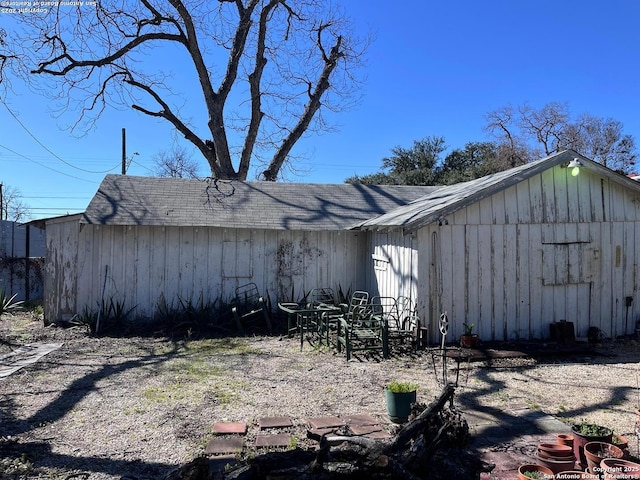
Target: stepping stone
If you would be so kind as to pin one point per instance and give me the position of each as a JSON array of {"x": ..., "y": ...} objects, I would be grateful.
[
  {"x": 321, "y": 431},
  {"x": 230, "y": 427},
  {"x": 274, "y": 422},
  {"x": 365, "y": 429},
  {"x": 231, "y": 444},
  {"x": 277, "y": 440},
  {"x": 379, "y": 435},
  {"x": 319, "y": 423},
  {"x": 363, "y": 419}
]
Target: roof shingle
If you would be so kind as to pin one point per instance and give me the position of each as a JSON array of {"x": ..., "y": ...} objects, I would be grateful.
[{"x": 131, "y": 200}]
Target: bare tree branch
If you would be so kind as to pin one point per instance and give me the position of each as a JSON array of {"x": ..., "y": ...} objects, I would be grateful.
[{"x": 262, "y": 67}]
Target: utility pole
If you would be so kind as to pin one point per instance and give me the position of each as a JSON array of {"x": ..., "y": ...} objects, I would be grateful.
[
  {"x": 1, "y": 204},
  {"x": 124, "y": 152}
]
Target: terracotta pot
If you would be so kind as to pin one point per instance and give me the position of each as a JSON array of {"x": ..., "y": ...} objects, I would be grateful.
[
  {"x": 565, "y": 439},
  {"x": 469, "y": 341},
  {"x": 546, "y": 472},
  {"x": 580, "y": 440},
  {"x": 617, "y": 469},
  {"x": 593, "y": 452},
  {"x": 621, "y": 442},
  {"x": 555, "y": 450},
  {"x": 557, "y": 464}
]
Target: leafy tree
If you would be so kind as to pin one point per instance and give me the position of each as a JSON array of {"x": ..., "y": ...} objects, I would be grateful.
[
  {"x": 525, "y": 133},
  {"x": 475, "y": 160},
  {"x": 266, "y": 69},
  {"x": 423, "y": 164},
  {"x": 408, "y": 166}
]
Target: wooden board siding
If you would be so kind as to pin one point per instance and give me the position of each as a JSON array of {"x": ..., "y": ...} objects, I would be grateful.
[
  {"x": 144, "y": 265},
  {"x": 393, "y": 265},
  {"x": 60, "y": 285},
  {"x": 550, "y": 248}
]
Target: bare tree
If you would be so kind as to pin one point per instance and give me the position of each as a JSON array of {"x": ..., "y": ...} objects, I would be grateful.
[
  {"x": 512, "y": 149},
  {"x": 176, "y": 163},
  {"x": 265, "y": 68},
  {"x": 525, "y": 133},
  {"x": 11, "y": 205}
]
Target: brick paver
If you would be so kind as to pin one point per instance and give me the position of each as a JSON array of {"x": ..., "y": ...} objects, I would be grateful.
[
  {"x": 226, "y": 444},
  {"x": 274, "y": 422},
  {"x": 276, "y": 440},
  {"x": 230, "y": 427},
  {"x": 325, "y": 422},
  {"x": 361, "y": 419}
]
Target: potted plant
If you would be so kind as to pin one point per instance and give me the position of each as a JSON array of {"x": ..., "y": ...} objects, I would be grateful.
[
  {"x": 399, "y": 397},
  {"x": 528, "y": 471},
  {"x": 621, "y": 442},
  {"x": 468, "y": 339},
  {"x": 585, "y": 432}
]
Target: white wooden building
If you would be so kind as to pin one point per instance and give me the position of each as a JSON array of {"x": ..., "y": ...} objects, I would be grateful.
[
  {"x": 515, "y": 251},
  {"x": 510, "y": 252},
  {"x": 143, "y": 241}
]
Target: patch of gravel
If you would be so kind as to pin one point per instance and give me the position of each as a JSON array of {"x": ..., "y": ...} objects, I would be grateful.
[{"x": 140, "y": 406}]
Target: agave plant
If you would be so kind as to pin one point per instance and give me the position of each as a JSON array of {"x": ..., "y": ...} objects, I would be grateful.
[{"x": 7, "y": 303}]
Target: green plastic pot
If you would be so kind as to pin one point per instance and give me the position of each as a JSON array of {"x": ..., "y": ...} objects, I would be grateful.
[{"x": 399, "y": 405}]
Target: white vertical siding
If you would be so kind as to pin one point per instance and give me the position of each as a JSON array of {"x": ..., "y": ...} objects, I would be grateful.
[
  {"x": 393, "y": 265},
  {"x": 553, "y": 247},
  {"x": 145, "y": 265},
  {"x": 60, "y": 279}
]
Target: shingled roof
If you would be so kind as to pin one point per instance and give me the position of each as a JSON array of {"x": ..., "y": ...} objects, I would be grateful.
[
  {"x": 131, "y": 200},
  {"x": 449, "y": 199}
]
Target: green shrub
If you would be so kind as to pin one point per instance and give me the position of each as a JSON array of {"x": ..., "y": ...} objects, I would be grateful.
[
  {"x": 402, "y": 387},
  {"x": 7, "y": 303}
]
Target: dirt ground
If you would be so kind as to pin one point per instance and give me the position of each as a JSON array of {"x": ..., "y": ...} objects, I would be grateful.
[{"x": 137, "y": 407}]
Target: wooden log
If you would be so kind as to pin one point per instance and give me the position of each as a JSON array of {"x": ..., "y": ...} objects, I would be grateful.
[{"x": 406, "y": 457}]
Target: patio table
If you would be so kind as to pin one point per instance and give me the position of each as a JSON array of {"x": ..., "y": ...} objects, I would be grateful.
[{"x": 309, "y": 318}]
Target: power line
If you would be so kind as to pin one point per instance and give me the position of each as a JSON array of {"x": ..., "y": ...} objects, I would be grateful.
[
  {"x": 46, "y": 148},
  {"x": 44, "y": 166},
  {"x": 56, "y": 198}
]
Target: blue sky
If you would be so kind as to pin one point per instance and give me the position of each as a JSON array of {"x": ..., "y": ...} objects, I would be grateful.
[{"x": 434, "y": 68}]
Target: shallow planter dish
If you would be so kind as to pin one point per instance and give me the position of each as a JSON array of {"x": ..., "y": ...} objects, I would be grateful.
[
  {"x": 565, "y": 439},
  {"x": 558, "y": 465},
  {"x": 617, "y": 469},
  {"x": 556, "y": 450}
]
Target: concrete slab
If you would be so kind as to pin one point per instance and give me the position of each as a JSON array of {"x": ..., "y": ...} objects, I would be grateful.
[
  {"x": 274, "y": 422},
  {"x": 325, "y": 422},
  {"x": 227, "y": 444},
  {"x": 364, "y": 429},
  {"x": 277, "y": 440},
  {"x": 361, "y": 419},
  {"x": 230, "y": 427},
  {"x": 322, "y": 431}
]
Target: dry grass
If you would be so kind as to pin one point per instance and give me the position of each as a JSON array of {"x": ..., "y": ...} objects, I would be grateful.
[{"x": 112, "y": 407}]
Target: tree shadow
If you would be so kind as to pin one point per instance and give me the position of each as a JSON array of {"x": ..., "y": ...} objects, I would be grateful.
[{"x": 40, "y": 453}]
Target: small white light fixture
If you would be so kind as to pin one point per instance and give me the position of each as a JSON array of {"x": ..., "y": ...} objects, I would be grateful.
[{"x": 574, "y": 166}]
